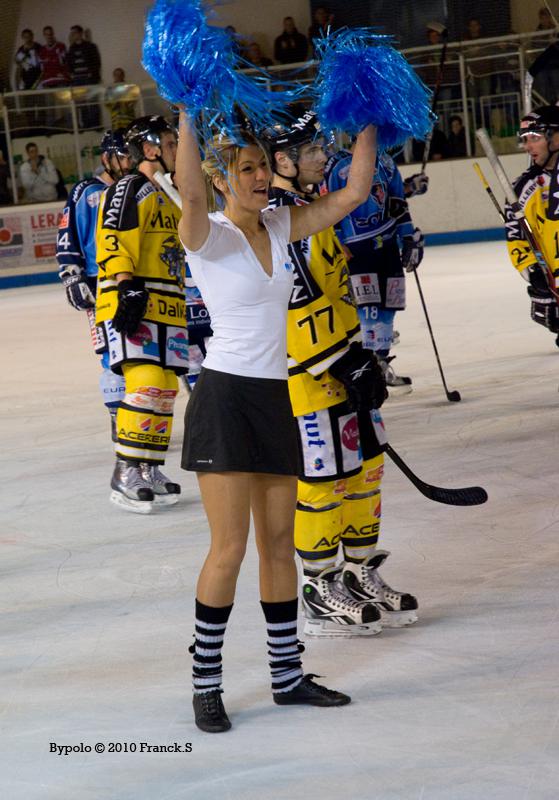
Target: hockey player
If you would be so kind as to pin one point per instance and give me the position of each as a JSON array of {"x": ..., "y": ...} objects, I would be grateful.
[
  {"x": 537, "y": 190},
  {"x": 141, "y": 305},
  {"x": 76, "y": 254},
  {"x": 338, "y": 499},
  {"x": 380, "y": 242}
]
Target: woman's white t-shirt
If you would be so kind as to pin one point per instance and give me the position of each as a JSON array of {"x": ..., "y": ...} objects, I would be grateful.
[{"x": 248, "y": 308}]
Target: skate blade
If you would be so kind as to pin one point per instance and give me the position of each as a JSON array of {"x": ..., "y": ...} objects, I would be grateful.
[
  {"x": 135, "y": 506},
  {"x": 319, "y": 628},
  {"x": 166, "y": 499},
  {"x": 399, "y": 389},
  {"x": 398, "y": 619}
]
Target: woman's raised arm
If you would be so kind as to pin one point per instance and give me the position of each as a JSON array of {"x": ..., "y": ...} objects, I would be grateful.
[
  {"x": 194, "y": 225},
  {"x": 332, "y": 207}
]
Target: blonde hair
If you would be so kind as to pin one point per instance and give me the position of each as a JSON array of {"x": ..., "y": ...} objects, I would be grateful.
[{"x": 221, "y": 159}]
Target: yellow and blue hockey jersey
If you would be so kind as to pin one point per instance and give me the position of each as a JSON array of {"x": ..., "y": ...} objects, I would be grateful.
[
  {"x": 137, "y": 233},
  {"x": 322, "y": 318}
]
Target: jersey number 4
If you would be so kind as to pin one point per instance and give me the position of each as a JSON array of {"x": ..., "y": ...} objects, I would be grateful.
[{"x": 329, "y": 311}]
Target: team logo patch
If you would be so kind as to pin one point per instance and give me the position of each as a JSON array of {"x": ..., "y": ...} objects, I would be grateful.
[
  {"x": 161, "y": 427},
  {"x": 143, "y": 338},
  {"x": 350, "y": 434},
  {"x": 64, "y": 219},
  {"x": 374, "y": 475},
  {"x": 178, "y": 344},
  {"x": 145, "y": 424},
  {"x": 318, "y": 464}
]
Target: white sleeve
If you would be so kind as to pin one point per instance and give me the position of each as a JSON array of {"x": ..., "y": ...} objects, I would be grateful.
[
  {"x": 51, "y": 175},
  {"x": 26, "y": 176},
  {"x": 211, "y": 243}
]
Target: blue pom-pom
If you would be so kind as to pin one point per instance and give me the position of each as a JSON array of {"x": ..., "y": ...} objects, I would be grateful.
[
  {"x": 196, "y": 64},
  {"x": 362, "y": 80}
]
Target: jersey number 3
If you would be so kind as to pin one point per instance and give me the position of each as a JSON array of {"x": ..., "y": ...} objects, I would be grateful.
[{"x": 110, "y": 237}]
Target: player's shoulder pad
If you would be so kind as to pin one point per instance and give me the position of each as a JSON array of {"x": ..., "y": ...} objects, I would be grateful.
[
  {"x": 525, "y": 186},
  {"x": 120, "y": 211},
  {"x": 336, "y": 159},
  {"x": 80, "y": 187},
  {"x": 283, "y": 197}
]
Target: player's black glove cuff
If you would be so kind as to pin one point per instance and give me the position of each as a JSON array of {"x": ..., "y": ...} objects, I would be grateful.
[
  {"x": 539, "y": 286},
  {"x": 132, "y": 303},
  {"x": 361, "y": 374}
]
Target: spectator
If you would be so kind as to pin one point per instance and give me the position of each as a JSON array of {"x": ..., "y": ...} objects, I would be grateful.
[
  {"x": 83, "y": 59},
  {"x": 84, "y": 63},
  {"x": 479, "y": 71},
  {"x": 5, "y": 181},
  {"x": 433, "y": 35},
  {"x": 546, "y": 21},
  {"x": 545, "y": 71},
  {"x": 120, "y": 99},
  {"x": 28, "y": 69},
  {"x": 52, "y": 56},
  {"x": 438, "y": 149},
  {"x": 457, "y": 138},
  {"x": 39, "y": 176},
  {"x": 255, "y": 56},
  {"x": 291, "y": 46},
  {"x": 322, "y": 22}
]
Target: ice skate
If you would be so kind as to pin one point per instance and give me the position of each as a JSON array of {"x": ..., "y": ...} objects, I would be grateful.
[
  {"x": 331, "y": 611},
  {"x": 400, "y": 383},
  {"x": 131, "y": 490},
  {"x": 166, "y": 493},
  {"x": 364, "y": 583}
]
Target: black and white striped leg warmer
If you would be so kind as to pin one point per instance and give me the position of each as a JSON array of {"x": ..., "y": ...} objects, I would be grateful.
[
  {"x": 210, "y": 630},
  {"x": 283, "y": 648}
]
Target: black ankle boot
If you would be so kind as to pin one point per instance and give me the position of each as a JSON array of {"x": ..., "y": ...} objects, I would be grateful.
[
  {"x": 311, "y": 694},
  {"x": 209, "y": 714}
]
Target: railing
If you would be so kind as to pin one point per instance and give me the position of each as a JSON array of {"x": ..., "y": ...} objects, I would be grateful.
[{"x": 485, "y": 82}]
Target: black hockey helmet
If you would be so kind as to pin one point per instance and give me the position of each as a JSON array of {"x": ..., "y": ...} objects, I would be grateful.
[
  {"x": 543, "y": 120},
  {"x": 146, "y": 129},
  {"x": 290, "y": 137},
  {"x": 113, "y": 142}
]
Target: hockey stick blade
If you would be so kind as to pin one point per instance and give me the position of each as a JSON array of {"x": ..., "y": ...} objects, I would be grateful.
[
  {"x": 467, "y": 496},
  {"x": 454, "y": 396}
]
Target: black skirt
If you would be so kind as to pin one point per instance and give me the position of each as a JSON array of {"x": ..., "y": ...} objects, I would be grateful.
[{"x": 234, "y": 423}]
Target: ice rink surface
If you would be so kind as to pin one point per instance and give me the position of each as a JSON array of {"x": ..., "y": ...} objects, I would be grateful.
[{"x": 97, "y": 603}]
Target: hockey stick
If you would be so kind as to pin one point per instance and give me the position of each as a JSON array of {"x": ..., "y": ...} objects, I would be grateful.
[
  {"x": 517, "y": 211},
  {"x": 168, "y": 188},
  {"x": 467, "y": 496},
  {"x": 454, "y": 395},
  {"x": 489, "y": 190}
]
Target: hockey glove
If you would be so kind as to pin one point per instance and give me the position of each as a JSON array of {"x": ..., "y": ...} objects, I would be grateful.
[
  {"x": 412, "y": 250},
  {"x": 360, "y": 373},
  {"x": 132, "y": 303},
  {"x": 416, "y": 184},
  {"x": 78, "y": 293},
  {"x": 544, "y": 309}
]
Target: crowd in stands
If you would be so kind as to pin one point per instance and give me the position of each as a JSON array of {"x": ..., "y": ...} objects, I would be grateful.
[{"x": 52, "y": 64}]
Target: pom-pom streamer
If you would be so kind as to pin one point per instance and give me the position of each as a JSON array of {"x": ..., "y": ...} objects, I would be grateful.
[
  {"x": 362, "y": 80},
  {"x": 196, "y": 64}
]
